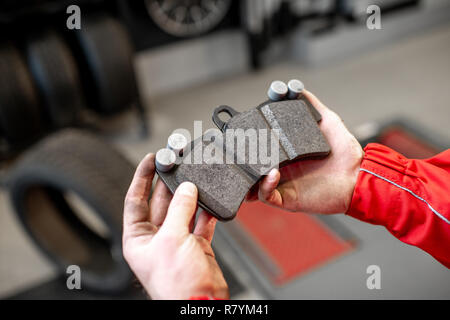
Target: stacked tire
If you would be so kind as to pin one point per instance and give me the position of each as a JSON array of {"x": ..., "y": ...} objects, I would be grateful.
[
  {"x": 20, "y": 116},
  {"x": 56, "y": 76},
  {"x": 106, "y": 59},
  {"x": 47, "y": 85}
]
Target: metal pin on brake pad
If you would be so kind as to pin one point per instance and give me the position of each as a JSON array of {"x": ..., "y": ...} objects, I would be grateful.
[
  {"x": 165, "y": 160},
  {"x": 178, "y": 143},
  {"x": 295, "y": 88},
  {"x": 277, "y": 90}
]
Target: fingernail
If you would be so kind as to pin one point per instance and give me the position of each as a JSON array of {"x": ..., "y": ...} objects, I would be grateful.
[
  {"x": 272, "y": 175},
  {"x": 187, "y": 189}
]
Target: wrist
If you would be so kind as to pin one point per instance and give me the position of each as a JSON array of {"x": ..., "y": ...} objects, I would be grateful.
[{"x": 353, "y": 177}]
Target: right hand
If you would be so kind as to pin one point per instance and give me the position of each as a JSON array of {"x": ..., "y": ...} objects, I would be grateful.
[
  {"x": 316, "y": 186},
  {"x": 172, "y": 258}
]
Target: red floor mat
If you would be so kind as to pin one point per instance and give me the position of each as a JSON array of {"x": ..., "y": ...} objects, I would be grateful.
[
  {"x": 407, "y": 144},
  {"x": 295, "y": 242}
]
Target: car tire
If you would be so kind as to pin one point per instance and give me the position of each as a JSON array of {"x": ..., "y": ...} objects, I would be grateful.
[
  {"x": 20, "y": 114},
  {"x": 106, "y": 60},
  {"x": 73, "y": 162},
  {"x": 56, "y": 76}
]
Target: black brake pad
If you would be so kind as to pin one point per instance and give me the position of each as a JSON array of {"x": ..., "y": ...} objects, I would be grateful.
[{"x": 223, "y": 185}]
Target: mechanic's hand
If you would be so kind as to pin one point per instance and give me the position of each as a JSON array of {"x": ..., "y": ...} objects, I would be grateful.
[
  {"x": 169, "y": 260},
  {"x": 316, "y": 186}
]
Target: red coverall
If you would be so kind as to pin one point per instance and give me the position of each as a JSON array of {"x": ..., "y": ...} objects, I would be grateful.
[{"x": 411, "y": 198}]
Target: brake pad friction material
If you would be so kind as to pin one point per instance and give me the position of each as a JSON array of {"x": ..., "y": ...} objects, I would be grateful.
[
  {"x": 223, "y": 186},
  {"x": 298, "y": 133}
]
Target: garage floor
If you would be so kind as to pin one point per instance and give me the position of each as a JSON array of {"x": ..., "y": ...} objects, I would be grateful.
[{"x": 409, "y": 79}]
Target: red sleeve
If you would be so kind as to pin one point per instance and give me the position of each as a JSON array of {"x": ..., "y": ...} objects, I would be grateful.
[{"x": 411, "y": 198}]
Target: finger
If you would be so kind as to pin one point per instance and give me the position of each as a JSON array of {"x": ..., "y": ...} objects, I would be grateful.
[
  {"x": 159, "y": 203},
  {"x": 315, "y": 102},
  {"x": 206, "y": 225},
  {"x": 192, "y": 222},
  {"x": 268, "y": 189},
  {"x": 181, "y": 209},
  {"x": 136, "y": 201},
  {"x": 252, "y": 195},
  {"x": 330, "y": 119}
]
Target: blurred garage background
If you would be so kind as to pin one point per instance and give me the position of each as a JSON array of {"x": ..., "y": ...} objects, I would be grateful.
[{"x": 80, "y": 107}]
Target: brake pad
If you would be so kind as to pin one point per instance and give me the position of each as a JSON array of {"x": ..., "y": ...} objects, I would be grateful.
[{"x": 223, "y": 184}]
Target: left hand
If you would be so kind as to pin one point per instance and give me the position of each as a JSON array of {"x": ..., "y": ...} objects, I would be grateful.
[
  {"x": 316, "y": 185},
  {"x": 171, "y": 258}
]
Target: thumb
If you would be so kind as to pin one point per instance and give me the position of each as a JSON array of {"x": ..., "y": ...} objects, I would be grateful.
[
  {"x": 268, "y": 189},
  {"x": 182, "y": 209}
]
